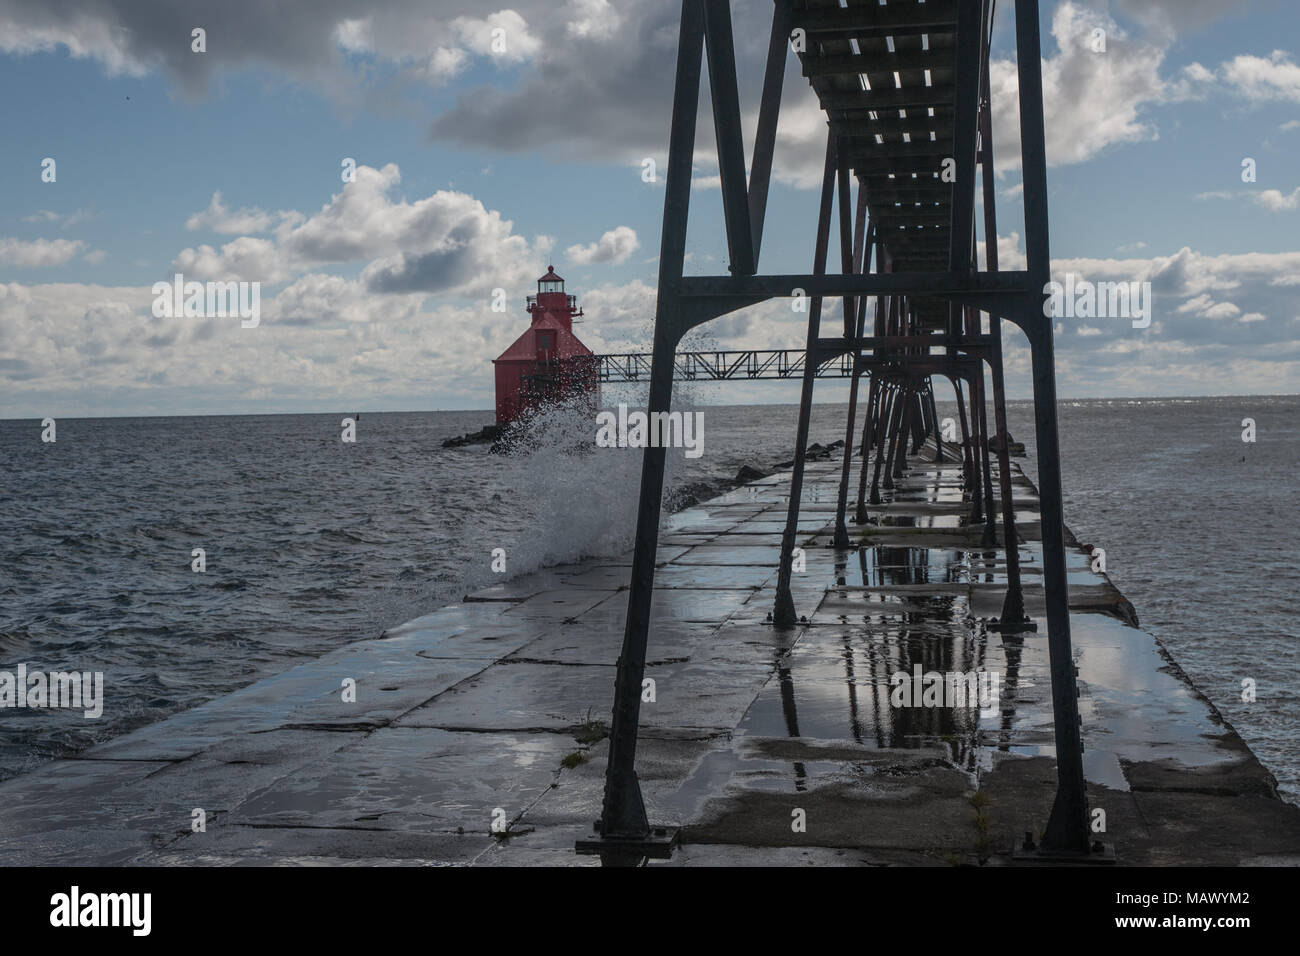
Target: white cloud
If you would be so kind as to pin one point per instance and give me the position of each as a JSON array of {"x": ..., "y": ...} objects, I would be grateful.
[
  {"x": 315, "y": 42},
  {"x": 403, "y": 36},
  {"x": 218, "y": 217},
  {"x": 38, "y": 253},
  {"x": 603, "y": 66},
  {"x": 503, "y": 34},
  {"x": 354, "y": 35},
  {"x": 447, "y": 242},
  {"x": 1275, "y": 201},
  {"x": 1198, "y": 304},
  {"x": 326, "y": 339},
  {"x": 1009, "y": 254},
  {"x": 445, "y": 63},
  {"x": 84, "y": 34},
  {"x": 1091, "y": 100},
  {"x": 1271, "y": 199},
  {"x": 613, "y": 247},
  {"x": 592, "y": 18},
  {"x": 1223, "y": 310},
  {"x": 1263, "y": 80},
  {"x": 246, "y": 259},
  {"x": 323, "y": 338}
]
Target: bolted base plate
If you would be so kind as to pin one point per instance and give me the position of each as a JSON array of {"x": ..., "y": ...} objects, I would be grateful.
[
  {"x": 1100, "y": 853},
  {"x": 658, "y": 844},
  {"x": 1011, "y": 627}
]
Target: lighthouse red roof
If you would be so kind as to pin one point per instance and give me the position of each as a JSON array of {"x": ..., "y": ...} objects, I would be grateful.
[
  {"x": 525, "y": 349},
  {"x": 551, "y": 276}
]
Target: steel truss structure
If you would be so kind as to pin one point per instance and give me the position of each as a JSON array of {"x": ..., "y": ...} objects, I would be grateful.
[
  {"x": 905, "y": 89},
  {"x": 755, "y": 364},
  {"x": 722, "y": 366}
]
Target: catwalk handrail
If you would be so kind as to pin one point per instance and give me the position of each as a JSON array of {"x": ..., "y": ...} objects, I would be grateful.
[{"x": 722, "y": 365}]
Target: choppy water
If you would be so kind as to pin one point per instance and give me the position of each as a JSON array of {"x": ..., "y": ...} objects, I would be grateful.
[
  {"x": 311, "y": 542},
  {"x": 1200, "y": 533}
]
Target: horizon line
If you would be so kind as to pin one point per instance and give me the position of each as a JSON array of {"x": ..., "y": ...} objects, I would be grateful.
[{"x": 431, "y": 411}]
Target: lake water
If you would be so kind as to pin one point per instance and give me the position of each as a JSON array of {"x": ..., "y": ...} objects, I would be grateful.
[{"x": 311, "y": 542}]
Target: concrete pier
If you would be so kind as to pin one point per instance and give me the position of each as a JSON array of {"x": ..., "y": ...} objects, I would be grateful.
[{"x": 477, "y": 732}]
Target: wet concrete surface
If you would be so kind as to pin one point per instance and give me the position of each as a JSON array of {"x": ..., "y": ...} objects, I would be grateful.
[{"x": 477, "y": 733}]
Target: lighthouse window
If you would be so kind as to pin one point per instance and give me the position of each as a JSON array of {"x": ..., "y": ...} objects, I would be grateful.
[
  {"x": 545, "y": 341},
  {"x": 550, "y": 287}
]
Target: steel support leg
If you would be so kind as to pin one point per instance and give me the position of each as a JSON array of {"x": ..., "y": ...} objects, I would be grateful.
[
  {"x": 887, "y": 423},
  {"x": 977, "y": 485},
  {"x": 1013, "y": 606},
  {"x": 905, "y": 434},
  {"x": 624, "y": 834},
  {"x": 895, "y": 430},
  {"x": 846, "y": 468},
  {"x": 1067, "y": 828},
  {"x": 783, "y": 614},
  {"x": 938, "y": 427},
  {"x": 853, "y": 325},
  {"x": 918, "y": 421},
  {"x": 990, "y": 536},
  {"x": 966, "y": 470},
  {"x": 869, "y": 429}
]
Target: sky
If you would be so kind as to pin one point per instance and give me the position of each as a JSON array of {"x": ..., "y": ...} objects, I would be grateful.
[{"x": 480, "y": 145}]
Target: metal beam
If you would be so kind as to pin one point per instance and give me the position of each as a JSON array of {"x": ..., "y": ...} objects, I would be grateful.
[
  {"x": 888, "y": 99},
  {"x": 720, "y": 46},
  {"x": 883, "y": 61},
  {"x": 760, "y": 173},
  {"x": 872, "y": 19},
  {"x": 970, "y": 343},
  {"x": 875, "y": 283}
]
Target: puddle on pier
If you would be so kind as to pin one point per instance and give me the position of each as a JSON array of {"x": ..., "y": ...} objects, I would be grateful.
[
  {"x": 835, "y": 711},
  {"x": 931, "y": 494},
  {"x": 849, "y": 701},
  {"x": 990, "y": 567},
  {"x": 921, "y": 521},
  {"x": 861, "y": 674},
  {"x": 881, "y": 566}
]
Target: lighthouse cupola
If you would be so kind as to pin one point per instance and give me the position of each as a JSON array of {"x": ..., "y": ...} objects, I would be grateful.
[{"x": 551, "y": 298}]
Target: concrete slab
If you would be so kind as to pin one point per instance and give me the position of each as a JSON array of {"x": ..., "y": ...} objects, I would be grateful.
[{"x": 768, "y": 746}]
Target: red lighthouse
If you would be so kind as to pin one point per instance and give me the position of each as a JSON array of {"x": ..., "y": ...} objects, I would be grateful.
[{"x": 547, "y": 363}]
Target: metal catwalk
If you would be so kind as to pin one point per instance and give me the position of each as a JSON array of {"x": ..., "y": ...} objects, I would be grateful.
[{"x": 905, "y": 90}]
